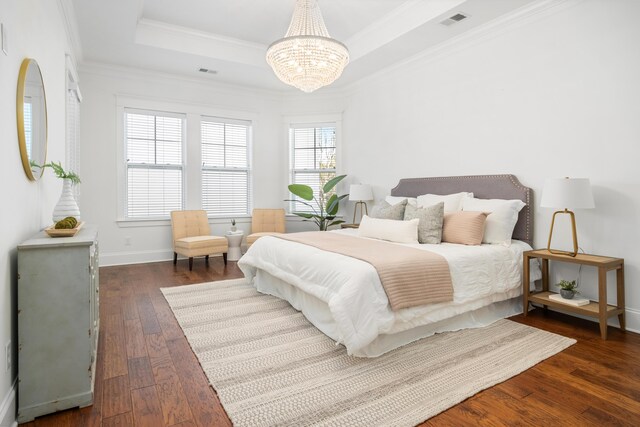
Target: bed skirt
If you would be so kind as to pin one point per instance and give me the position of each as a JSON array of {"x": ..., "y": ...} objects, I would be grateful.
[{"x": 317, "y": 312}]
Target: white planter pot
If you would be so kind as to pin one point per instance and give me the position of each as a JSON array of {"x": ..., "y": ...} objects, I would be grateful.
[{"x": 67, "y": 205}]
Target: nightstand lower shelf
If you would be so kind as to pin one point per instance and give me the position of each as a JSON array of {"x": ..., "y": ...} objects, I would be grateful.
[{"x": 592, "y": 309}]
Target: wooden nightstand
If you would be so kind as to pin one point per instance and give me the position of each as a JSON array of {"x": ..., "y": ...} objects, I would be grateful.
[
  {"x": 599, "y": 309},
  {"x": 349, "y": 225}
]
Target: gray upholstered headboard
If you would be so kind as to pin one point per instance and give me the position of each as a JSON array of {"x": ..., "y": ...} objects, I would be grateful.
[{"x": 483, "y": 187}]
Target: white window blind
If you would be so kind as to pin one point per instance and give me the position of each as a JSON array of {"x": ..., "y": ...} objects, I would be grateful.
[
  {"x": 154, "y": 156},
  {"x": 226, "y": 171},
  {"x": 313, "y": 159}
]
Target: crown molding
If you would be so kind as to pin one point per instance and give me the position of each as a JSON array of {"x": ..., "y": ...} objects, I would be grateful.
[
  {"x": 186, "y": 40},
  {"x": 124, "y": 72},
  {"x": 403, "y": 19},
  {"x": 478, "y": 35},
  {"x": 68, "y": 12}
]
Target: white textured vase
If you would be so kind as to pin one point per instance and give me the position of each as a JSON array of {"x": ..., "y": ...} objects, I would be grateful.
[{"x": 67, "y": 205}]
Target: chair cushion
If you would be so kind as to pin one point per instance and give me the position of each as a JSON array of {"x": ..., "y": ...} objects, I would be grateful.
[
  {"x": 255, "y": 236},
  {"x": 201, "y": 242}
]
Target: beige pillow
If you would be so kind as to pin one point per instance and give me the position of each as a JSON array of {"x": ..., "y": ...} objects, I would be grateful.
[
  {"x": 389, "y": 229},
  {"x": 464, "y": 227},
  {"x": 384, "y": 210},
  {"x": 430, "y": 226},
  {"x": 502, "y": 219}
]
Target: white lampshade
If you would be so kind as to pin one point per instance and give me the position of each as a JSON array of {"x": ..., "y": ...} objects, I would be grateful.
[
  {"x": 568, "y": 193},
  {"x": 360, "y": 192}
]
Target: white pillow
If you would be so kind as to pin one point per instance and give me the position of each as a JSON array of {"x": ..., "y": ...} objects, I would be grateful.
[
  {"x": 452, "y": 202},
  {"x": 502, "y": 219},
  {"x": 389, "y": 229},
  {"x": 394, "y": 200}
]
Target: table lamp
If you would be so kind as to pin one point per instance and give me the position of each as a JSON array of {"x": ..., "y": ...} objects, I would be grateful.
[
  {"x": 360, "y": 193},
  {"x": 567, "y": 193}
]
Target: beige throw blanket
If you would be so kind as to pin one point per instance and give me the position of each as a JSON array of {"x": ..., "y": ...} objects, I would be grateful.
[{"x": 410, "y": 277}]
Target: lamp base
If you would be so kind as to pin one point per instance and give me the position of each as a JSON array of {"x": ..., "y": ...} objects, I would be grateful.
[
  {"x": 573, "y": 231},
  {"x": 355, "y": 209}
]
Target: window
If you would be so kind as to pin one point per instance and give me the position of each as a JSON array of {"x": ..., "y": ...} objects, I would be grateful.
[
  {"x": 226, "y": 173},
  {"x": 313, "y": 158},
  {"x": 154, "y": 178}
]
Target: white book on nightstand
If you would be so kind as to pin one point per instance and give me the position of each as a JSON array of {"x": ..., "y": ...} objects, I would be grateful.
[{"x": 574, "y": 301}]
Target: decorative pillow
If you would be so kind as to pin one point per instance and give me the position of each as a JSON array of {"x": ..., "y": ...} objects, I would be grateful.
[
  {"x": 452, "y": 202},
  {"x": 503, "y": 215},
  {"x": 464, "y": 227},
  {"x": 386, "y": 211},
  {"x": 430, "y": 225},
  {"x": 388, "y": 229},
  {"x": 394, "y": 200}
]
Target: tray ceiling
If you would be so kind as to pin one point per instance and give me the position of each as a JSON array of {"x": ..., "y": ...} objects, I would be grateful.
[{"x": 231, "y": 36}]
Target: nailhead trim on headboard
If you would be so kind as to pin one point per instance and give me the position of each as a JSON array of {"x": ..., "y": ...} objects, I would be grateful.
[{"x": 484, "y": 187}]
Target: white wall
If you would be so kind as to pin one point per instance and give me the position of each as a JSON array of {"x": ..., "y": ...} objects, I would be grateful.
[
  {"x": 35, "y": 29},
  {"x": 553, "y": 96},
  {"x": 105, "y": 87}
]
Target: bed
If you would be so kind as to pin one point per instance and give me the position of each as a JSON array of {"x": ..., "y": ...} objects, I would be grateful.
[{"x": 343, "y": 296}]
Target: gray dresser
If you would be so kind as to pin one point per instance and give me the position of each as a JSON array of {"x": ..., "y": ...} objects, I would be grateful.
[{"x": 58, "y": 322}]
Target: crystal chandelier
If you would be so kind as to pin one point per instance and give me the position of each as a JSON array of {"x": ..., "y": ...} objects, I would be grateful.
[{"x": 307, "y": 57}]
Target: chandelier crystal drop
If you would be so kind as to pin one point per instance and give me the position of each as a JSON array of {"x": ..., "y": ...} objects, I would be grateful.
[{"x": 307, "y": 57}]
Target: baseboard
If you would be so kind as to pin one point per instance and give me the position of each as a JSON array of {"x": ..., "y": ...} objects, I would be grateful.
[
  {"x": 108, "y": 259},
  {"x": 138, "y": 257},
  {"x": 8, "y": 408},
  {"x": 633, "y": 320}
]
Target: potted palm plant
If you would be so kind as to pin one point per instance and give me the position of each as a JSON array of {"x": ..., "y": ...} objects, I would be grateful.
[{"x": 324, "y": 210}]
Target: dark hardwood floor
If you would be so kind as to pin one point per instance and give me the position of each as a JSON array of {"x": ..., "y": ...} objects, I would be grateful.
[{"x": 148, "y": 376}]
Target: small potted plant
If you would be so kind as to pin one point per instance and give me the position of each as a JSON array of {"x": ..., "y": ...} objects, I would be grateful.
[
  {"x": 568, "y": 289},
  {"x": 233, "y": 225}
]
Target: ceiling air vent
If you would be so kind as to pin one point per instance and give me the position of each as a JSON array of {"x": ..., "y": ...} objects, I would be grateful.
[
  {"x": 208, "y": 71},
  {"x": 454, "y": 19}
]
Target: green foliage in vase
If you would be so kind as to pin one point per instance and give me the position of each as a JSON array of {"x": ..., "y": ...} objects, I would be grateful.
[
  {"x": 59, "y": 171},
  {"x": 324, "y": 216}
]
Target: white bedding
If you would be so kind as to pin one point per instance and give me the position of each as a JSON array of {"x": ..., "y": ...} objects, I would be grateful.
[{"x": 353, "y": 294}]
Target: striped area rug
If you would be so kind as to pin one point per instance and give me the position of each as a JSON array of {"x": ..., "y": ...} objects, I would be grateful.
[{"x": 270, "y": 366}]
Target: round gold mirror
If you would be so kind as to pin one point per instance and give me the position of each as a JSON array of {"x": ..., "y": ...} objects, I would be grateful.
[{"x": 31, "y": 105}]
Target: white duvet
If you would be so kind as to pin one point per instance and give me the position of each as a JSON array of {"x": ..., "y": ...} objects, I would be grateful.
[{"x": 356, "y": 300}]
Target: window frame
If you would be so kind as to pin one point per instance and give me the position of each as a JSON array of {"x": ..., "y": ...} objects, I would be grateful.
[
  {"x": 152, "y": 166},
  {"x": 315, "y": 121},
  {"x": 248, "y": 169}
]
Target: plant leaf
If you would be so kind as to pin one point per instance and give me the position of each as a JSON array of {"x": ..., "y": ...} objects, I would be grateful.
[
  {"x": 334, "y": 204},
  {"x": 336, "y": 222},
  {"x": 303, "y": 191},
  {"x": 332, "y": 183}
]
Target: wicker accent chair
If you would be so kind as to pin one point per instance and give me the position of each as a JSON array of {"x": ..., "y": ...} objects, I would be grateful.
[
  {"x": 265, "y": 222},
  {"x": 192, "y": 237}
]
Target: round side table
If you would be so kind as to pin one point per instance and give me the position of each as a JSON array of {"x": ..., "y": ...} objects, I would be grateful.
[{"x": 235, "y": 240}]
